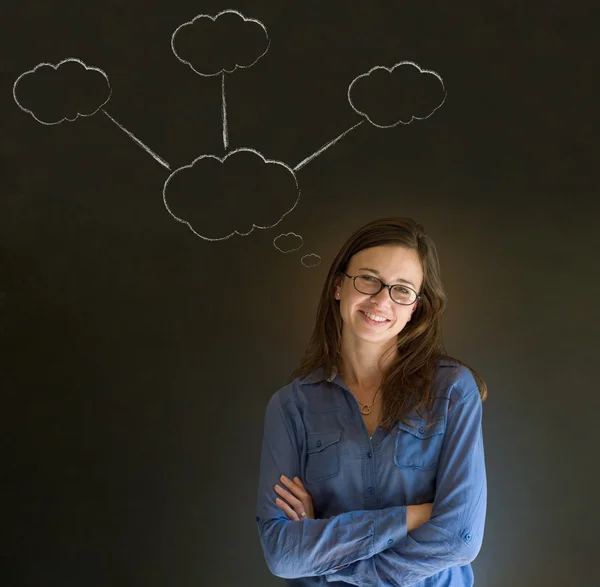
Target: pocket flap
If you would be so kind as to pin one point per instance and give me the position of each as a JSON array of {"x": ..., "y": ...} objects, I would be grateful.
[
  {"x": 420, "y": 429},
  {"x": 319, "y": 441}
]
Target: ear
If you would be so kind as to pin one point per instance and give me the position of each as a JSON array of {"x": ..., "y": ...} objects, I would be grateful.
[{"x": 337, "y": 286}]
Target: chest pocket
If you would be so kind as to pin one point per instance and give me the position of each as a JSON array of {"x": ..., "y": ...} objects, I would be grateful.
[
  {"x": 419, "y": 447},
  {"x": 323, "y": 455}
]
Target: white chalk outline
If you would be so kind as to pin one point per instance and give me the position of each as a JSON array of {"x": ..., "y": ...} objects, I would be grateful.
[
  {"x": 223, "y": 71},
  {"x": 224, "y": 113},
  {"x": 222, "y": 160},
  {"x": 390, "y": 70},
  {"x": 324, "y": 147},
  {"x": 136, "y": 140},
  {"x": 214, "y": 18},
  {"x": 225, "y": 127},
  {"x": 310, "y": 255},
  {"x": 288, "y": 234},
  {"x": 55, "y": 67}
]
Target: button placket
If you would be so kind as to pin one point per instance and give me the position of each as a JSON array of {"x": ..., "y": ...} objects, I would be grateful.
[{"x": 369, "y": 494}]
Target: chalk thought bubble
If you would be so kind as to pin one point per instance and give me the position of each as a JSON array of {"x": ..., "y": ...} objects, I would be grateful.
[
  {"x": 65, "y": 91},
  {"x": 288, "y": 242},
  {"x": 311, "y": 260},
  {"x": 211, "y": 45},
  {"x": 397, "y": 95},
  {"x": 218, "y": 197}
]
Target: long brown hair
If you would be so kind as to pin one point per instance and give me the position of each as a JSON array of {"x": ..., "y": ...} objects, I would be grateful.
[{"x": 407, "y": 382}]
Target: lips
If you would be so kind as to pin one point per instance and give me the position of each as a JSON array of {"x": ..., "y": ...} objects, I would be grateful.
[{"x": 365, "y": 312}]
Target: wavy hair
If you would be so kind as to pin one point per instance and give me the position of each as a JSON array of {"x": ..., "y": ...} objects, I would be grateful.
[{"x": 407, "y": 381}]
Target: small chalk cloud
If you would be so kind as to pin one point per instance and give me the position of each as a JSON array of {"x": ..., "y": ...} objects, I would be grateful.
[
  {"x": 55, "y": 93},
  {"x": 396, "y": 95},
  {"x": 288, "y": 242},
  {"x": 311, "y": 260},
  {"x": 218, "y": 197},
  {"x": 211, "y": 45}
]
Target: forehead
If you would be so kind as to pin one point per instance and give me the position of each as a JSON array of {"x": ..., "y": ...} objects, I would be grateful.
[{"x": 391, "y": 261}]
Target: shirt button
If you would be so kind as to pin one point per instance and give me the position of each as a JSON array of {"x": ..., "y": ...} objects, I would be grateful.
[
  {"x": 370, "y": 455},
  {"x": 318, "y": 443},
  {"x": 422, "y": 430},
  {"x": 468, "y": 537},
  {"x": 390, "y": 541},
  {"x": 370, "y": 490}
]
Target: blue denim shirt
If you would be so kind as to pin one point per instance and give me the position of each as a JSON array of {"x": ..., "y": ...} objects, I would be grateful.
[{"x": 361, "y": 486}]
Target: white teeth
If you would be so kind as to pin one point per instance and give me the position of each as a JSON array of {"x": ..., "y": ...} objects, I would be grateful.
[{"x": 375, "y": 318}]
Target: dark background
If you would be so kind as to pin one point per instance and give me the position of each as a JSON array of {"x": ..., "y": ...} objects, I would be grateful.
[{"x": 137, "y": 359}]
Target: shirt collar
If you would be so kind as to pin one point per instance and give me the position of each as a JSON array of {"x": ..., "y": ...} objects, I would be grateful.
[{"x": 318, "y": 375}]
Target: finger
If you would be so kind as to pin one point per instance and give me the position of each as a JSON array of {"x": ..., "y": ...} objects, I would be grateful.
[
  {"x": 294, "y": 490},
  {"x": 297, "y": 490},
  {"x": 291, "y": 499},
  {"x": 289, "y": 512},
  {"x": 297, "y": 505},
  {"x": 298, "y": 482}
]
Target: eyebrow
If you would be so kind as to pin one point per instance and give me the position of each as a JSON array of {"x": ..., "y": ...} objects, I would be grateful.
[{"x": 399, "y": 280}]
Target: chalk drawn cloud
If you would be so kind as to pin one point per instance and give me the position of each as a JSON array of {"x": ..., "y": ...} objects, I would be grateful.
[
  {"x": 311, "y": 260},
  {"x": 387, "y": 96},
  {"x": 55, "y": 93},
  {"x": 212, "y": 45},
  {"x": 288, "y": 242},
  {"x": 221, "y": 196}
]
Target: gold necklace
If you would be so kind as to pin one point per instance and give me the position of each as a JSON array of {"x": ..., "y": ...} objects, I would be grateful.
[{"x": 365, "y": 409}]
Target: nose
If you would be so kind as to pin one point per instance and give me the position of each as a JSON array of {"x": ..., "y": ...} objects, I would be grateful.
[{"x": 382, "y": 297}]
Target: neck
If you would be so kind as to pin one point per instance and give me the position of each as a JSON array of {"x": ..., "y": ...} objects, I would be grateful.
[{"x": 362, "y": 365}]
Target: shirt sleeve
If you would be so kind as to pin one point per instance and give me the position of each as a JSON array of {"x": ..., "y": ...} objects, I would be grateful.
[
  {"x": 454, "y": 533},
  {"x": 308, "y": 547}
]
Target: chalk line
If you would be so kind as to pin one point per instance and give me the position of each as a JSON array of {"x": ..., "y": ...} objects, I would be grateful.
[
  {"x": 136, "y": 140},
  {"x": 224, "y": 113},
  {"x": 324, "y": 147}
]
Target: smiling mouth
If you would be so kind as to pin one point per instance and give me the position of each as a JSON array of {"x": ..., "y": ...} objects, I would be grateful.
[{"x": 373, "y": 318}]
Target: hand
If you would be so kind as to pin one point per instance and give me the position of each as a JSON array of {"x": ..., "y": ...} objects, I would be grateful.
[
  {"x": 297, "y": 498},
  {"x": 417, "y": 515}
]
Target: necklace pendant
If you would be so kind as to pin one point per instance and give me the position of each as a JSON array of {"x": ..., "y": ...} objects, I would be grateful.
[{"x": 365, "y": 410}]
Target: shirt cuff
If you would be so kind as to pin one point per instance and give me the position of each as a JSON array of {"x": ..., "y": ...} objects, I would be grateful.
[{"x": 390, "y": 528}]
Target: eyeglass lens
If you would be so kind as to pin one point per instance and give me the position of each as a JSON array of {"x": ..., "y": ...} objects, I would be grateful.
[{"x": 371, "y": 285}]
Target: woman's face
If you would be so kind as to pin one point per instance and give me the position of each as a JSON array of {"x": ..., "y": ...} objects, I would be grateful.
[{"x": 393, "y": 265}]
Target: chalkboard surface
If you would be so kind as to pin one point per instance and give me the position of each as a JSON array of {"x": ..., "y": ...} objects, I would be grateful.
[{"x": 176, "y": 179}]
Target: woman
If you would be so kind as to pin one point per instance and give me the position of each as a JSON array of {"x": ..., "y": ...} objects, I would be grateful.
[{"x": 372, "y": 469}]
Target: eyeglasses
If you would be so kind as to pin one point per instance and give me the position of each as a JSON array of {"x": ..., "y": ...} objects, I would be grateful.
[{"x": 370, "y": 285}]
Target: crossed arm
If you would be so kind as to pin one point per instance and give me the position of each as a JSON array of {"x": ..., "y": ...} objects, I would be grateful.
[{"x": 296, "y": 503}]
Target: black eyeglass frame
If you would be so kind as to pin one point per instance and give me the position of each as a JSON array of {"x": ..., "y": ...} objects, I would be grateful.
[{"x": 389, "y": 288}]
